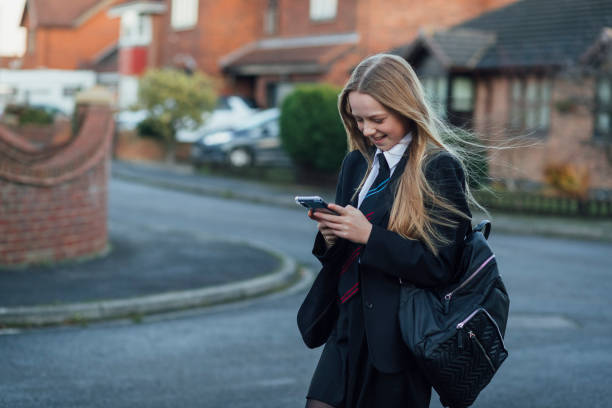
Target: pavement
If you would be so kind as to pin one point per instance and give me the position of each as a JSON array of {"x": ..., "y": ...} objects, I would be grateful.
[
  {"x": 142, "y": 272},
  {"x": 139, "y": 273}
]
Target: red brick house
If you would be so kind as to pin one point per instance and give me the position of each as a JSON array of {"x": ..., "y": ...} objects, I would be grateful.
[
  {"x": 536, "y": 72},
  {"x": 73, "y": 34},
  {"x": 261, "y": 48},
  {"x": 321, "y": 40},
  {"x": 185, "y": 34}
]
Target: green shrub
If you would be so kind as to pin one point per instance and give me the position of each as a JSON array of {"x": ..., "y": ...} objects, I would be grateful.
[
  {"x": 35, "y": 116},
  {"x": 152, "y": 128},
  {"x": 25, "y": 114},
  {"x": 311, "y": 130},
  {"x": 176, "y": 98}
]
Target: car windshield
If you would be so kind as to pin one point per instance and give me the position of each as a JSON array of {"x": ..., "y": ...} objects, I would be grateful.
[{"x": 258, "y": 118}]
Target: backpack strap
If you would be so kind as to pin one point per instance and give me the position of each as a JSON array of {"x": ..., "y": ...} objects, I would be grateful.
[{"x": 484, "y": 227}]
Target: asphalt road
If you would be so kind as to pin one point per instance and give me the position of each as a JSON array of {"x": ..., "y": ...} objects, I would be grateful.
[{"x": 249, "y": 354}]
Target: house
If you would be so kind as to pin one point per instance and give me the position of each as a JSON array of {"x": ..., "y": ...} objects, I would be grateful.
[
  {"x": 139, "y": 22},
  {"x": 322, "y": 40},
  {"x": 261, "y": 48},
  {"x": 68, "y": 35},
  {"x": 183, "y": 34},
  {"x": 536, "y": 74}
]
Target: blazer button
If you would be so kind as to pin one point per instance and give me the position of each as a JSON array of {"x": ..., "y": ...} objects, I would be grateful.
[{"x": 369, "y": 305}]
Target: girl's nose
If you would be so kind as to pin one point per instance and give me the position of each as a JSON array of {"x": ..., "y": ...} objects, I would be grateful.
[{"x": 368, "y": 130}]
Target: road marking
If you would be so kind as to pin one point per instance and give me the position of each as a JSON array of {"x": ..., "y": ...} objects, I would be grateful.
[
  {"x": 8, "y": 332},
  {"x": 544, "y": 321},
  {"x": 275, "y": 382}
]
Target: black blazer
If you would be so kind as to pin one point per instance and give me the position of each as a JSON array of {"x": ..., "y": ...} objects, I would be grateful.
[{"x": 385, "y": 259}]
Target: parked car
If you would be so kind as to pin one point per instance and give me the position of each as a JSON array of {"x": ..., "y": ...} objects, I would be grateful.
[
  {"x": 253, "y": 142},
  {"x": 129, "y": 119},
  {"x": 229, "y": 111}
]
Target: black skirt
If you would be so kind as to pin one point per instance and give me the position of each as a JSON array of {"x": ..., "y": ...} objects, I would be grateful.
[{"x": 345, "y": 377}]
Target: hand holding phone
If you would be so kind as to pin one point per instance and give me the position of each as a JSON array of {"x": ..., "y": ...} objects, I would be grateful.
[{"x": 315, "y": 203}]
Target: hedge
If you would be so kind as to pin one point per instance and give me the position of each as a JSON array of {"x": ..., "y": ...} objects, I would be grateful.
[{"x": 311, "y": 130}]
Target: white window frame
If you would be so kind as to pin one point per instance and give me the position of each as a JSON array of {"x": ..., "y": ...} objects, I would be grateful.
[
  {"x": 270, "y": 17},
  {"x": 135, "y": 29},
  {"x": 462, "y": 94},
  {"x": 323, "y": 10},
  {"x": 184, "y": 14},
  {"x": 530, "y": 100},
  {"x": 436, "y": 89}
]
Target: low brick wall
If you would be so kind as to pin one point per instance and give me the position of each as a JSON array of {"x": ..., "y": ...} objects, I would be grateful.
[{"x": 54, "y": 206}]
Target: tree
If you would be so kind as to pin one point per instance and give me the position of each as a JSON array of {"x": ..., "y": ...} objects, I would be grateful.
[{"x": 175, "y": 99}]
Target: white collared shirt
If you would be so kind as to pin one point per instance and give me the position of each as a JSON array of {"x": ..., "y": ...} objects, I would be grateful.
[{"x": 393, "y": 156}]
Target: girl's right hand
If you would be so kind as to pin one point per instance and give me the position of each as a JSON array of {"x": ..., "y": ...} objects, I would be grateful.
[{"x": 324, "y": 229}]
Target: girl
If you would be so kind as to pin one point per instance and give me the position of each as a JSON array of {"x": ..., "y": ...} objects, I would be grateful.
[{"x": 401, "y": 216}]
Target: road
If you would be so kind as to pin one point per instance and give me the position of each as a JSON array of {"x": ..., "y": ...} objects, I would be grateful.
[{"x": 249, "y": 354}]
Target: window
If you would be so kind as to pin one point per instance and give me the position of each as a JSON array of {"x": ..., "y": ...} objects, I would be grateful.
[
  {"x": 436, "y": 89},
  {"x": 135, "y": 29},
  {"x": 603, "y": 109},
  {"x": 530, "y": 104},
  {"x": 71, "y": 90},
  {"x": 323, "y": 9},
  {"x": 270, "y": 17},
  {"x": 462, "y": 95},
  {"x": 31, "y": 40},
  {"x": 184, "y": 14}
]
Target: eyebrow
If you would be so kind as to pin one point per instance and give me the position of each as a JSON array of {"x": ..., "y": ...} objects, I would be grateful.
[{"x": 376, "y": 115}]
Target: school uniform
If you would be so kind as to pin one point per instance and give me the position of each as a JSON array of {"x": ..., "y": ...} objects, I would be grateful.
[{"x": 352, "y": 305}]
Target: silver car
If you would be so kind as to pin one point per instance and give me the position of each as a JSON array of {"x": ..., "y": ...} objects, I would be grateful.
[{"x": 255, "y": 141}]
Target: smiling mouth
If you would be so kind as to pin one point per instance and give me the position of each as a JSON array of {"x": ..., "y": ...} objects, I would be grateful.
[{"x": 379, "y": 138}]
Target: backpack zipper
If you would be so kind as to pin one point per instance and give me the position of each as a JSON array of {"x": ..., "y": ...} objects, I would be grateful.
[
  {"x": 467, "y": 319},
  {"x": 484, "y": 352},
  {"x": 449, "y": 295}
]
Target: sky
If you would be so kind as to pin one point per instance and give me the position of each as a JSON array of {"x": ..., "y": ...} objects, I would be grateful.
[{"x": 12, "y": 37}]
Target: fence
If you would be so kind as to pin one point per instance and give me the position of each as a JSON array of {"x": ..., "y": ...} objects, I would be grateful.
[{"x": 530, "y": 203}]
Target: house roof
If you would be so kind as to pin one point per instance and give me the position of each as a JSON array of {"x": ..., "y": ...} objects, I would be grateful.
[
  {"x": 60, "y": 13},
  {"x": 139, "y": 6},
  {"x": 528, "y": 33},
  {"x": 459, "y": 48},
  {"x": 307, "y": 55},
  {"x": 106, "y": 60}
]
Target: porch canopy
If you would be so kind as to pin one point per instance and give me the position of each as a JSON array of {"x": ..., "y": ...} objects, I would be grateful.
[{"x": 283, "y": 56}]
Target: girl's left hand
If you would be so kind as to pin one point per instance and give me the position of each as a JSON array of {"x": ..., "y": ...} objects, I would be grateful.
[{"x": 350, "y": 223}]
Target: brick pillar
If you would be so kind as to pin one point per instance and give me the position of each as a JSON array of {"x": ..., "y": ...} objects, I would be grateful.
[{"x": 53, "y": 198}]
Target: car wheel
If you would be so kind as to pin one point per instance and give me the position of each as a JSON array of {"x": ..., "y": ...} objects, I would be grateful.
[{"x": 240, "y": 157}]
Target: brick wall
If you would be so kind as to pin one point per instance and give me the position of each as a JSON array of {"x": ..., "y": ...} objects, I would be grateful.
[
  {"x": 222, "y": 27},
  {"x": 568, "y": 140},
  {"x": 385, "y": 24},
  {"x": 69, "y": 48},
  {"x": 54, "y": 207},
  {"x": 294, "y": 19}
]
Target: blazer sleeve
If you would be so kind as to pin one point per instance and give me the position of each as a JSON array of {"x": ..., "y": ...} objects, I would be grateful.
[
  {"x": 410, "y": 259},
  {"x": 320, "y": 250}
]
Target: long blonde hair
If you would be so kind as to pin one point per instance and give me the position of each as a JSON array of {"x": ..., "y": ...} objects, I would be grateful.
[{"x": 393, "y": 83}]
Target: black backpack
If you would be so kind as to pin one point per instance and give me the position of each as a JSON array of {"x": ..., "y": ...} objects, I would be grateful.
[{"x": 456, "y": 333}]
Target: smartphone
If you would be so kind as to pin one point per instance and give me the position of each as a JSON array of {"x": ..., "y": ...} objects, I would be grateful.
[{"x": 313, "y": 202}]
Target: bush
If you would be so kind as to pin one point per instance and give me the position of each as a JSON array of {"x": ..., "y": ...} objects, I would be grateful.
[
  {"x": 568, "y": 179},
  {"x": 35, "y": 116},
  {"x": 311, "y": 130},
  {"x": 152, "y": 128},
  {"x": 29, "y": 115}
]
